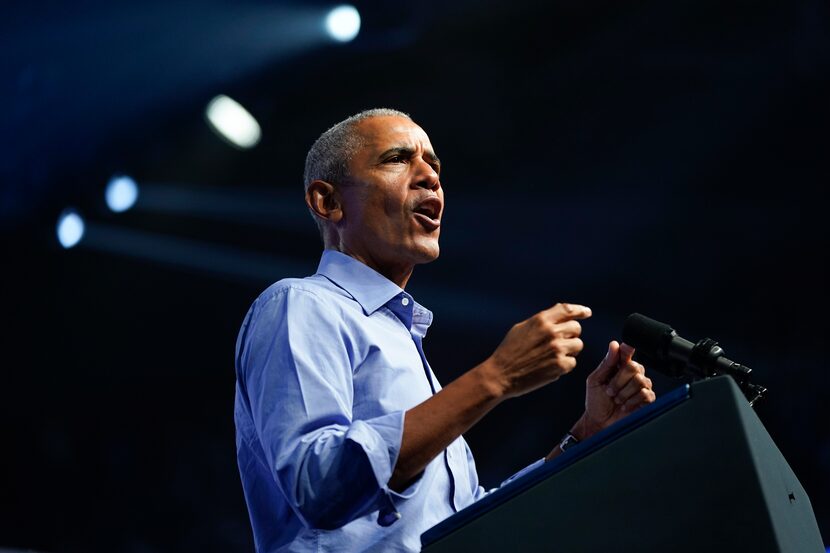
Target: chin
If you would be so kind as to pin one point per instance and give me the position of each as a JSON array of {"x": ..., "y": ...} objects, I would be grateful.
[{"x": 427, "y": 253}]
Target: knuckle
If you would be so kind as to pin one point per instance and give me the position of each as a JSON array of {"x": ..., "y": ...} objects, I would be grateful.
[
  {"x": 565, "y": 362},
  {"x": 539, "y": 320}
]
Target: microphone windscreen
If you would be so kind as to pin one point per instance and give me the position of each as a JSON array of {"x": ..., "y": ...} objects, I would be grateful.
[{"x": 646, "y": 335}]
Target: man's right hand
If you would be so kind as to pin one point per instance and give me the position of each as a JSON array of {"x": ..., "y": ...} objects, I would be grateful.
[{"x": 537, "y": 351}]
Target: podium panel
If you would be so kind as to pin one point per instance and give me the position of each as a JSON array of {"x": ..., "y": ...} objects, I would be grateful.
[{"x": 693, "y": 472}]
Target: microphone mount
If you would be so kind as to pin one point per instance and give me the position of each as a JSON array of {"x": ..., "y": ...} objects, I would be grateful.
[{"x": 678, "y": 357}]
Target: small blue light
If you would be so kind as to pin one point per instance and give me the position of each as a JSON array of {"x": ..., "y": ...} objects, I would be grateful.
[
  {"x": 121, "y": 193},
  {"x": 70, "y": 228}
]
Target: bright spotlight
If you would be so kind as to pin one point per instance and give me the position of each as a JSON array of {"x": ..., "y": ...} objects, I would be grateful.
[
  {"x": 121, "y": 193},
  {"x": 233, "y": 122},
  {"x": 70, "y": 228},
  {"x": 343, "y": 23}
]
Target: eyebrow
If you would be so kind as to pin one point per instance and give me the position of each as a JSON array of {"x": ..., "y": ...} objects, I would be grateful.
[{"x": 409, "y": 152}]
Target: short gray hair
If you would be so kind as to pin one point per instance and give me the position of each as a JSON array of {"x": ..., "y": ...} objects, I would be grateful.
[{"x": 329, "y": 156}]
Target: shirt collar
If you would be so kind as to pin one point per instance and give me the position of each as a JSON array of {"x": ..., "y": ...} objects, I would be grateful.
[
  {"x": 372, "y": 290},
  {"x": 368, "y": 287}
]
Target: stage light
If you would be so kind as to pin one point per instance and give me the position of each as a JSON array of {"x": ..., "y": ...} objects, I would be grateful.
[
  {"x": 121, "y": 193},
  {"x": 70, "y": 228},
  {"x": 343, "y": 23},
  {"x": 233, "y": 122}
]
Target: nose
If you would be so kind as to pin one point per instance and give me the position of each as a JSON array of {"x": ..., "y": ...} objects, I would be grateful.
[{"x": 426, "y": 176}]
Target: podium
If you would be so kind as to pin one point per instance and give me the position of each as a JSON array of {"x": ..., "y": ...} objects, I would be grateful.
[{"x": 693, "y": 472}]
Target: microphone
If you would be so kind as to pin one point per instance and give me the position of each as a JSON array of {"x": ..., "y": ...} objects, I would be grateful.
[{"x": 677, "y": 357}]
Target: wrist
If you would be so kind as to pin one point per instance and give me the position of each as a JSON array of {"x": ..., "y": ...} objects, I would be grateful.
[
  {"x": 568, "y": 440},
  {"x": 490, "y": 380},
  {"x": 585, "y": 427}
]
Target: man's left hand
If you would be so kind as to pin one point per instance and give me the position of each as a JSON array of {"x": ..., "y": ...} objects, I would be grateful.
[{"x": 615, "y": 389}]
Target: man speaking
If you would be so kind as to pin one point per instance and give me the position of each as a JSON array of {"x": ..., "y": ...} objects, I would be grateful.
[{"x": 346, "y": 441}]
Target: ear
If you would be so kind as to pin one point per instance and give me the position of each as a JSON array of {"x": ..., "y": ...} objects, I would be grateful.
[{"x": 323, "y": 200}]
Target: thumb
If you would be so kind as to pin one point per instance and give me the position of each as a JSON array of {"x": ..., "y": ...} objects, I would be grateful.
[{"x": 607, "y": 367}]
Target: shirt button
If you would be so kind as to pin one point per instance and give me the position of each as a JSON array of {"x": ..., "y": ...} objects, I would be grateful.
[{"x": 405, "y": 301}]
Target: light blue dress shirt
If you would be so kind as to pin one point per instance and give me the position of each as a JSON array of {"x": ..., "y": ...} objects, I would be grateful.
[{"x": 326, "y": 367}]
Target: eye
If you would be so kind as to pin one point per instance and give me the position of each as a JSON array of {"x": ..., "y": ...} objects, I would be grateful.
[{"x": 399, "y": 158}]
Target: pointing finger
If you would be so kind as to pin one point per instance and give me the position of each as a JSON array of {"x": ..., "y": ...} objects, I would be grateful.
[{"x": 568, "y": 311}]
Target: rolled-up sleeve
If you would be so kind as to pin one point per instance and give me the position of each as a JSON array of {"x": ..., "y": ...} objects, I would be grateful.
[{"x": 295, "y": 361}]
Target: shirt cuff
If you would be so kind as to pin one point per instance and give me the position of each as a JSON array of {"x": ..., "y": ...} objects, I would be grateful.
[
  {"x": 527, "y": 469},
  {"x": 381, "y": 439}
]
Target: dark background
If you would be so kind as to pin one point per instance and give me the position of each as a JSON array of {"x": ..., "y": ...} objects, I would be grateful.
[{"x": 668, "y": 158}]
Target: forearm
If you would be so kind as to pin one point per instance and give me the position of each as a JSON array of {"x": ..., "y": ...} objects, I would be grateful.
[
  {"x": 431, "y": 426},
  {"x": 534, "y": 353}
]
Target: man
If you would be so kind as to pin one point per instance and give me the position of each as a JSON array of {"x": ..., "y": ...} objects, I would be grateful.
[{"x": 345, "y": 439}]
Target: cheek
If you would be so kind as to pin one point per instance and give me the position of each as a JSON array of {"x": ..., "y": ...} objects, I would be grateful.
[
  {"x": 394, "y": 207},
  {"x": 367, "y": 210}
]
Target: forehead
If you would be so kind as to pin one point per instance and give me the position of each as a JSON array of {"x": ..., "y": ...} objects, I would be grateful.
[{"x": 384, "y": 132}]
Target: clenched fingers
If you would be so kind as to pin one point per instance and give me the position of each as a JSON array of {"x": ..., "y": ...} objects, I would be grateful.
[
  {"x": 627, "y": 371},
  {"x": 643, "y": 397},
  {"x": 633, "y": 387},
  {"x": 566, "y": 346},
  {"x": 568, "y": 329}
]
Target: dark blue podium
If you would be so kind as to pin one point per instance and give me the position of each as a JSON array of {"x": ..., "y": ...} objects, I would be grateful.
[{"x": 694, "y": 472}]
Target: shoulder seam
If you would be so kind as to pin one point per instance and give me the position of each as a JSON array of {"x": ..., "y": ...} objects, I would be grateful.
[{"x": 289, "y": 287}]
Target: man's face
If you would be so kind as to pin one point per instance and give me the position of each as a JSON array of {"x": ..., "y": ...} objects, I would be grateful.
[{"x": 393, "y": 202}]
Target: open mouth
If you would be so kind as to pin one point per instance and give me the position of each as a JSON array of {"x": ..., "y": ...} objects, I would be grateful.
[{"x": 428, "y": 213}]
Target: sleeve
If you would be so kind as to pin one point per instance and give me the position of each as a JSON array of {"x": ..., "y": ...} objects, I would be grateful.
[{"x": 296, "y": 364}]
